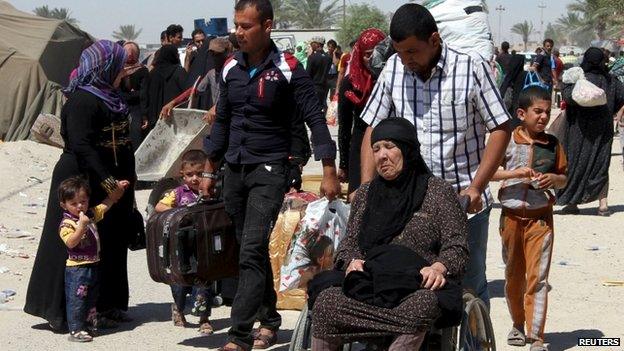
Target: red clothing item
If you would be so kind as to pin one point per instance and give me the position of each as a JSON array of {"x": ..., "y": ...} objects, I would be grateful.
[{"x": 359, "y": 75}]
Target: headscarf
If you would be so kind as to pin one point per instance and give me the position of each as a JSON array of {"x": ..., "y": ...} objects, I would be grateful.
[
  {"x": 359, "y": 75},
  {"x": 391, "y": 204},
  {"x": 595, "y": 61},
  {"x": 99, "y": 65},
  {"x": 302, "y": 56}
]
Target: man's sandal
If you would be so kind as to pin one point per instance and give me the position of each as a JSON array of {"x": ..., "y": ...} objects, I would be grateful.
[
  {"x": 538, "y": 348},
  {"x": 516, "y": 338},
  {"x": 81, "y": 336},
  {"x": 263, "y": 341},
  {"x": 205, "y": 327}
]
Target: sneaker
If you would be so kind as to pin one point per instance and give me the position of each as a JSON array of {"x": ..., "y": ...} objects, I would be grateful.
[{"x": 80, "y": 336}]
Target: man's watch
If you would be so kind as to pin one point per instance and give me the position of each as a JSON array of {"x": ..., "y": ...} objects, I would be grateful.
[{"x": 210, "y": 175}]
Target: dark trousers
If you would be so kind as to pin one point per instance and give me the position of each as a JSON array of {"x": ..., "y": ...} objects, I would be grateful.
[
  {"x": 253, "y": 196},
  {"x": 321, "y": 92},
  {"x": 81, "y": 291}
]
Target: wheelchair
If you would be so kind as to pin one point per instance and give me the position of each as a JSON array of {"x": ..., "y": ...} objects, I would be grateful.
[{"x": 474, "y": 333}]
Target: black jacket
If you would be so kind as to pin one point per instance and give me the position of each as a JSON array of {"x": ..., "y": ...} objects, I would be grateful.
[{"x": 255, "y": 114}]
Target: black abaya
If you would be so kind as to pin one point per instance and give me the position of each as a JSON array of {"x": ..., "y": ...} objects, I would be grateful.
[{"x": 85, "y": 126}]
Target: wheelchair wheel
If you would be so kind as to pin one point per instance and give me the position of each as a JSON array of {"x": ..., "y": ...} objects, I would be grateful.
[
  {"x": 301, "y": 339},
  {"x": 476, "y": 332}
]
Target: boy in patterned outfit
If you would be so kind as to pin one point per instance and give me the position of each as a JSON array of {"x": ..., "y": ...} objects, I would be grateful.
[
  {"x": 80, "y": 235},
  {"x": 534, "y": 164},
  {"x": 191, "y": 170}
]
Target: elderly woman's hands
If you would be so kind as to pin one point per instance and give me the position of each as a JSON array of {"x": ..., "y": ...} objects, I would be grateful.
[
  {"x": 434, "y": 276},
  {"x": 355, "y": 265}
]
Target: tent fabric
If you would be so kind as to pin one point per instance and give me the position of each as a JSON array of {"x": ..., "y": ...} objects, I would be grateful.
[{"x": 36, "y": 57}]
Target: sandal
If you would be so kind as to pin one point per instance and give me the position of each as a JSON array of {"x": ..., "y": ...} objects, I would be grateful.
[
  {"x": 604, "y": 212},
  {"x": 264, "y": 341},
  {"x": 205, "y": 327},
  {"x": 177, "y": 317},
  {"x": 81, "y": 336},
  {"x": 538, "y": 347},
  {"x": 516, "y": 337}
]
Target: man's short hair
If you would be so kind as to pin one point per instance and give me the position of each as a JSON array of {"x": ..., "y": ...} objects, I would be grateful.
[
  {"x": 332, "y": 42},
  {"x": 163, "y": 35},
  {"x": 264, "y": 8},
  {"x": 531, "y": 94},
  {"x": 197, "y": 31},
  {"x": 193, "y": 157},
  {"x": 548, "y": 40},
  {"x": 70, "y": 187},
  {"x": 505, "y": 46},
  {"x": 174, "y": 29},
  {"x": 412, "y": 20},
  {"x": 136, "y": 46}
]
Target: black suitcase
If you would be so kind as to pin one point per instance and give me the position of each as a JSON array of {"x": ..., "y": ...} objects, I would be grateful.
[{"x": 192, "y": 245}]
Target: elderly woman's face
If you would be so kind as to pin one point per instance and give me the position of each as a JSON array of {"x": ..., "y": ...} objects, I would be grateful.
[{"x": 388, "y": 159}]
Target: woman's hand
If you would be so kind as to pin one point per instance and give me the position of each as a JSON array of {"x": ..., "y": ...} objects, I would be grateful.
[
  {"x": 433, "y": 276},
  {"x": 355, "y": 265}
]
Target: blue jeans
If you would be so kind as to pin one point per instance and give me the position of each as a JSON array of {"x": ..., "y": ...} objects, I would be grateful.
[
  {"x": 253, "y": 196},
  {"x": 81, "y": 292},
  {"x": 474, "y": 278}
]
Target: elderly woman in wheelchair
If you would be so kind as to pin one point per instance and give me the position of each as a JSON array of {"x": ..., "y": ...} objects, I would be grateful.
[{"x": 398, "y": 269}]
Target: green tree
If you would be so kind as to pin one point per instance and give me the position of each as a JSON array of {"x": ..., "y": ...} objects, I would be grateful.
[
  {"x": 595, "y": 17},
  {"x": 360, "y": 17},
  {"x": 61, "y": 13},
  {"x": 524, "y": 30},
  {"x": 574, "y": 29},
  {"x": 281, "y": 17},
  {"x": 554, "y": 33},
  {"x": 311, "y": 14},
  {"x": 127, "y": 32}
]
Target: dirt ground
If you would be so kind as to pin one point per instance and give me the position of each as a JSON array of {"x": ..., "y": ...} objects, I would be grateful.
[{"x": 587, "y": 252}]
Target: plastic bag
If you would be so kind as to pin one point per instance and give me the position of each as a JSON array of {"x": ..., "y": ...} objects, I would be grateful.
[
  {"x": 293, "y": 209},
  {"x": 332, "y": 111},
  {"x": 533, "y": 79},
  {"x": 463, "y": 24},
  {"x": 587, "y": 94},
  {"x": 315, "y": 243},
  {"x": 572, "y": 75}
]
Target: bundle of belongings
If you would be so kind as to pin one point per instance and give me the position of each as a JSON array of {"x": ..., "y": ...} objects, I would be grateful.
[{"x": 463, "y": 24}]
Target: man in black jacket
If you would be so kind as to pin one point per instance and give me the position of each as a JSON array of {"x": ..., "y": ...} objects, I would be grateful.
[
  {"x": 319, "y": 64},
  {"x": 260, "y": 86}
]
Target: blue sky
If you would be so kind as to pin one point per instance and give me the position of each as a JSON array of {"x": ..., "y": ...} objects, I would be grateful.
[{"x": 101, "y": 18}]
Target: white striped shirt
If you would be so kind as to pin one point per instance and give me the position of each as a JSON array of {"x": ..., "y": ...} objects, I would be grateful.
[{"x": 452, "y": 112}]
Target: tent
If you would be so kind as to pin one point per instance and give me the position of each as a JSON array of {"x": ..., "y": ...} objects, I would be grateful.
[{"x": 36, "y": 57}]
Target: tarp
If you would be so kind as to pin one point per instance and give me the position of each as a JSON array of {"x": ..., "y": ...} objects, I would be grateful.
[{"x": 36, "y": 57}]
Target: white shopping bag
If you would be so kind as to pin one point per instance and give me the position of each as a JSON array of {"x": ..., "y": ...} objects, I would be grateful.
[
  {"x": 587, "y": 94},
  {"x": 314, "y": 244}
]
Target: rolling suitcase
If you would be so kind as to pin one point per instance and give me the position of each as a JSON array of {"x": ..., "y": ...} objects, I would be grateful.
[{"x": 192, "y": 245}]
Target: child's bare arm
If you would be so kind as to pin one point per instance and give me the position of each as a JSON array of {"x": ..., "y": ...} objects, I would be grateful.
[
  {"x": 160, "y": 207},
  {"x": 75, "y": 237},
  {"x": 503, "y": 174}
]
